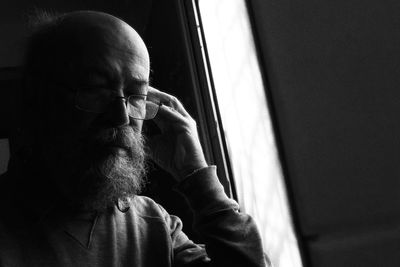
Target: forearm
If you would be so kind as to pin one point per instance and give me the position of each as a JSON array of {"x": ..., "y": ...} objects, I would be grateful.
[{"x": 231, "y": 237}]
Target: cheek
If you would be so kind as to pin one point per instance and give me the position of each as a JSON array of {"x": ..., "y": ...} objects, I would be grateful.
[
  {"x": 67, "y": 125},
  {"x": 81, "y": 122}
]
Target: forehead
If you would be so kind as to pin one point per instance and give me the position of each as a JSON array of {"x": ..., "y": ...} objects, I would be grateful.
[
  {"x": 114, "y": 78},
  {"x": 113, "y": 69}
]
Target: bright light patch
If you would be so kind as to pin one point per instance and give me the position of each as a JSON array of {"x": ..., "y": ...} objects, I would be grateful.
[{"x": 247, "y": 126}]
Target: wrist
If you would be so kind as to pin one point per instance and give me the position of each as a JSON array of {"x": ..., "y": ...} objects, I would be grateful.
[{"x": 191, "y": 170}]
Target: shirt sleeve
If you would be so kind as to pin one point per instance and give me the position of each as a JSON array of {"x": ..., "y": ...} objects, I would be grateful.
[{"x": 231, "y": 238}]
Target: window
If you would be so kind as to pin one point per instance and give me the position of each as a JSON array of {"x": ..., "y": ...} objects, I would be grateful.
[{"x": 247, "y": 127}]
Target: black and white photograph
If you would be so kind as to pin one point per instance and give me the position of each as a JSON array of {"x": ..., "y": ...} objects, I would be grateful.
[{"x": 212, "y": 133}]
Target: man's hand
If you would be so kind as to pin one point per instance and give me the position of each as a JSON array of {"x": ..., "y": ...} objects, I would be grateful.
[{"x": 177, "y": 149}]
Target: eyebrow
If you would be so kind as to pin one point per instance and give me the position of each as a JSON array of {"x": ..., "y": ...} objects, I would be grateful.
[{"x": 136, "y": 83}]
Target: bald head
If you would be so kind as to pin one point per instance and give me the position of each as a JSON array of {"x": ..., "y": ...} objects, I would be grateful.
[
  {"x": 81, "y": 49},
  {"x": 96, "y": 34},
  {"x": 74, "y": 41}
]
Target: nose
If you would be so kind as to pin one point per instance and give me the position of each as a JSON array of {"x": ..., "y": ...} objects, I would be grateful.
[{"x": 118, "y": 113}]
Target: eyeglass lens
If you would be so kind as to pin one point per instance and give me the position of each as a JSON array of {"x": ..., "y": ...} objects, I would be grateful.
[{"x": 97, "y": 101}]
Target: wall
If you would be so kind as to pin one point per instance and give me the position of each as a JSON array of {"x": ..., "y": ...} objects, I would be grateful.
[{"x": 333, "y": 73}]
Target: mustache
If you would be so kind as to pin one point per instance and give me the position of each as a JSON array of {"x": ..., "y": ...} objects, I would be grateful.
[{"x": 124, "y": 137}]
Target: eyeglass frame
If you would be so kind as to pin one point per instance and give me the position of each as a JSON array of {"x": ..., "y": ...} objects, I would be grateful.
[{"x": 125, "y": 98}]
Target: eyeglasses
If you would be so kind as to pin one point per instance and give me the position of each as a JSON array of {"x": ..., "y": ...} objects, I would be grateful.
[{"x": 97, "y": 100}]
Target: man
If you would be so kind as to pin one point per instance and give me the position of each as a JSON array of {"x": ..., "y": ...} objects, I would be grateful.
[{"x": 70, "y": 198}]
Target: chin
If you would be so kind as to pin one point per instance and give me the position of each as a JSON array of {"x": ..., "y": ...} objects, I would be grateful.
[
  {"x": 112, "y": 168},
  {"x": 119, "y": 175}
]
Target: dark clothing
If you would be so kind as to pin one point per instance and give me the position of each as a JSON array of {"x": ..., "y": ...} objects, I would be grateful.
[{"x": 41, "y": 233}]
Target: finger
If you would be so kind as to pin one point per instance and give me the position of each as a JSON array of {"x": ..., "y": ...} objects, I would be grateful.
[
  {"x": 168, "y": 100},
  {"x": 168, "y": 118},
  {"x": 162, "y": 96}
]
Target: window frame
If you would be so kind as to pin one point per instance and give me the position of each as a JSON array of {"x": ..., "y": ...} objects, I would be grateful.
[
  {"x": 212, "y": 138},
  {"x": 211, "y": 133}
]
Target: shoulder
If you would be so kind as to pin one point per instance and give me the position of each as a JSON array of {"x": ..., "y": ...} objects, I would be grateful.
[
  {"x": 145, "y": 211},
  {"x": 146, "y": 207},
  {"x": 149, "y": 212}
]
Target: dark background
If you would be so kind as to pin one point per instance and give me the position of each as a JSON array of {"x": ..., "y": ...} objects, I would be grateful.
[{"x": 333, "y": 74}]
